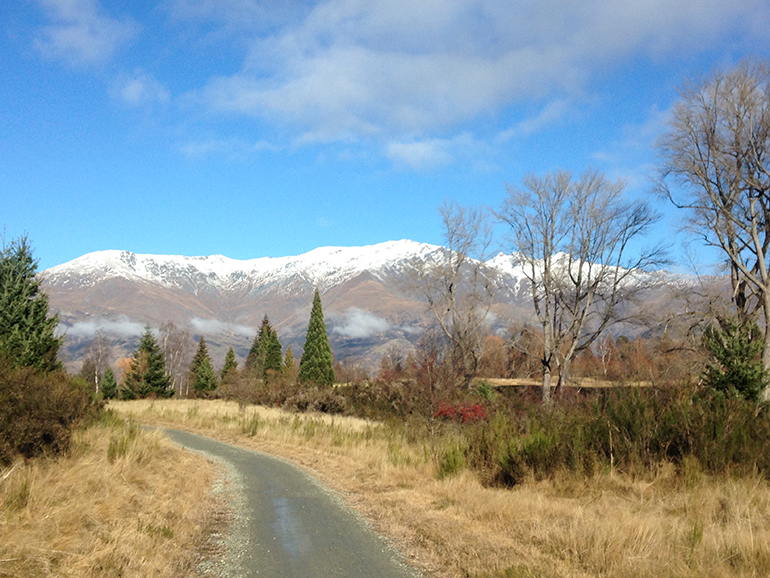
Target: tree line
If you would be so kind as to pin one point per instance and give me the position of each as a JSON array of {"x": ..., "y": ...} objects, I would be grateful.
[{"x": 157, "y": 366}]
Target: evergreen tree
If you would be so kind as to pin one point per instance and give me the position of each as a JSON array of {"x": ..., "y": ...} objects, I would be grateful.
[
  {"x": 200, "y": 354},
  {"x": 147, "y": 375},
  {"x": 255, "y": 360},
  {"x": 230, "y": 366},
  {"x": 737, "y": 349},
  {"x": 317, "y": 363},
  {"x": 202, "y": 373},
  {"x": 205, "y": 378},
  {"x": 273, "y": 355},
  {"x": 251, "y": 357},
  {"x": 289, "y": 363},
  {"x": 26, "y": 330},
  {"x": 109, "y": 385}
]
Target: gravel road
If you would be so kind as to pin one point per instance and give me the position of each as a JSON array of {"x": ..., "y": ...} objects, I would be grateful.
[{"x": 287, "y": 524}]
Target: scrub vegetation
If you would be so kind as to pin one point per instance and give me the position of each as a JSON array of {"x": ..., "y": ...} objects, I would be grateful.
[{"x": 424, "y": 484}]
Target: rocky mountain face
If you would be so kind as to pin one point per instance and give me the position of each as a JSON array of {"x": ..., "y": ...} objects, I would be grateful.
[{"x": 370, "y": 300}]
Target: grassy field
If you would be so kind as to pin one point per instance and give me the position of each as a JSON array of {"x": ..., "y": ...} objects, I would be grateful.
[
  {"x": 124, "y": 502},
  {"x": 610, "y": 525}
]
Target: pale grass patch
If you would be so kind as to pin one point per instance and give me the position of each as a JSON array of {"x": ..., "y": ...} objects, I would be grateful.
[
  {"x": 609, "y": 526},
  {"x": 123, "y": 503}
]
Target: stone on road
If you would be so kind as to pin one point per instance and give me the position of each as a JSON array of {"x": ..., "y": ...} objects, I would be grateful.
[{"x": 291, "y": 526}]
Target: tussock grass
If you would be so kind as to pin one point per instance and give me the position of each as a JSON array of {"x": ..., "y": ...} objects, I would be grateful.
[
  {"x": 124, "y": 502},
  {"x": 676, "y": 521}
]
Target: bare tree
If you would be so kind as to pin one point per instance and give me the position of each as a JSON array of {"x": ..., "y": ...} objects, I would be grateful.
[
  {"x": 97, "y": 360},
  {"x": 715, "y": 165},
  {"x": 460, "y": 288},
  {"x": 177, "y": 346},
  {"x": 571, "y": 239}
]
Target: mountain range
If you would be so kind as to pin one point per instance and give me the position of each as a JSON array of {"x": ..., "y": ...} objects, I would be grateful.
[{"x": 370, "y": 299}]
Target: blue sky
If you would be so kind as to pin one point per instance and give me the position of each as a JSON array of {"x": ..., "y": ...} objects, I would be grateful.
[{"x": 263, "y": 128}]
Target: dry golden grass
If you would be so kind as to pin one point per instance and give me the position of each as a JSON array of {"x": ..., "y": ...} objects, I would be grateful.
[
  {"x": 609, "y": 526},
  {"x": 123, "y": 503}
]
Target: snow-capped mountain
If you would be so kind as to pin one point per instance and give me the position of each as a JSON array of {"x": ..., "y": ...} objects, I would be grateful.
[
  {"x": 370, "y": 300},
  {"x": 322, "y": 267},
  {"x": 368, "y": 295}
]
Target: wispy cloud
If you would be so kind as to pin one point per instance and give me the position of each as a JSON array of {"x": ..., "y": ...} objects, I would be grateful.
[
  {"x": 357, "y": 324},
  {"x": 550, "y": 113},
  {"x": 424, "y": 154},
  {"x": 81, "y": 33},
  {"x": 233, "y": 148},
  {"x": 122, "y": 327},
  {"x": 139, "y": 88},
  {"x": 214, "y": 327},
  {"x": 435, "y": 152}
]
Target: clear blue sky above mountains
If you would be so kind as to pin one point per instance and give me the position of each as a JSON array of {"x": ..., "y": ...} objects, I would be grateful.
[{"x": 263, "y": 128}]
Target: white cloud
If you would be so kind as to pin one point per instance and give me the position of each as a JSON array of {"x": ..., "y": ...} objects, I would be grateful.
[
  {"x": 550, "y": 113},
  {"x": 214, "y": 326},
  {"x": 81, "y": 33},
  {"x": 233, "y": 148},
  {"x": 121, "y": 327},
  {"x": 139, "y": 88},
  {"x": 420, "y": 154},
  {"x": 358, "y": 323},
  {"x": 398, "y": 69},
  {"x": 434, "y": 152}
]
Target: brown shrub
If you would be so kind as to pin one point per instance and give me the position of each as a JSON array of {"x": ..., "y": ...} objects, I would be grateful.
[{"x": 39, "y": 410}]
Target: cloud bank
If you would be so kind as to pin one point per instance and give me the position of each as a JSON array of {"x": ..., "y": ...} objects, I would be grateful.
[
  {"x": 351, "y": 69},
  {"x": 358, "y": 324},
  {"x": 214, "y": 326},
  {"x": 122, "y": 327}
]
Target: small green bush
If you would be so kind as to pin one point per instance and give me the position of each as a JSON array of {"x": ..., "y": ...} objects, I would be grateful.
[
  {"x": 452, "y": 461},
  {"x": 737, "y": 350}
]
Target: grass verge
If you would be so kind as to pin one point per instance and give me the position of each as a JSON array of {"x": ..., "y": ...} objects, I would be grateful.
[
  {"x": 123, "y": 502},
  {"x": 667, "y": 523}
]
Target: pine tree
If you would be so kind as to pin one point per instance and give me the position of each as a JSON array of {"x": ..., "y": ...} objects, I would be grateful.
[
  {"x": 200, "y": 354},
  {"x": 147, "y": 375},
  {"x": 26, "y": 331},
  {"x": 230, "y": 366},
  {"x": 289, "y": 363},
  {"x": 273, "y": 352},
  {"x": 251, "y": 357},
  {"x": 317, "y": 363},
  {"x": 205, "y": 378},
  {"x": 202, "y": 373},
  {"x": 255, "y": 360},
  {"x": 109, "y": 385}
]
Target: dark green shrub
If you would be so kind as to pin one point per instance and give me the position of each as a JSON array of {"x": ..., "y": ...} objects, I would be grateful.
[
  {"x": 737, "y": 350},
  {"x": 628, "y": 430}
]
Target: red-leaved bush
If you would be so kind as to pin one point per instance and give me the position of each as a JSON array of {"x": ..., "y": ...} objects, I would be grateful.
[{"x": 463, "y": 413}]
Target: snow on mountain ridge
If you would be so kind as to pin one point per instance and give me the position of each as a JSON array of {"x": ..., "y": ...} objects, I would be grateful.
[{"x": 324, "y": 264}]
